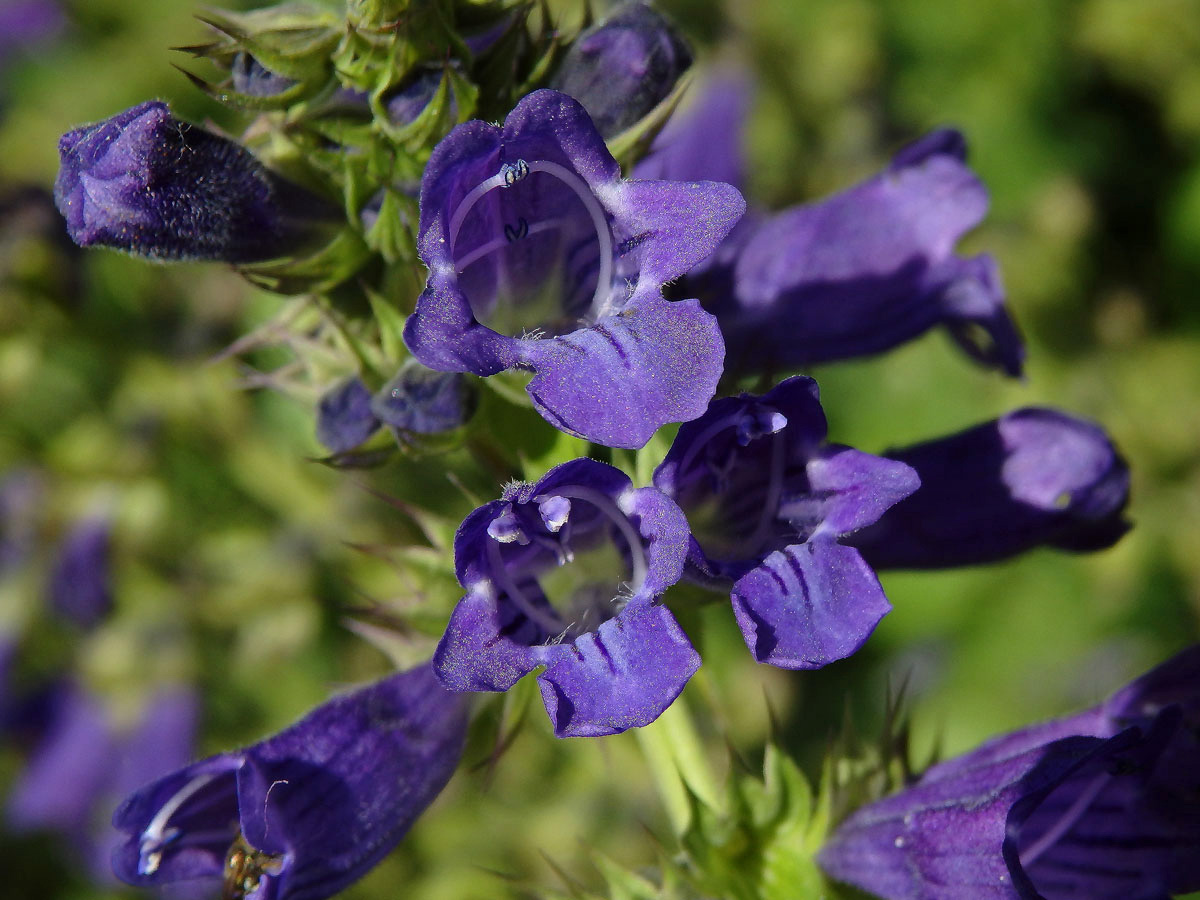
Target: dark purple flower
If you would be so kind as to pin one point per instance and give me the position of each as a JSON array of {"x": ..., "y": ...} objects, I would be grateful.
[
  {"x": 147, "y": 183},
  {"x": 302, "y": 814},
  {"x": 865, "y": 270},
  {"x": 26, "y": 22},
  {"x": 530, "y": 230},
  {"x": 423, "y": 401},
  {"x": 624, "y": 66},
  {"x": 1035, "y": 477},
  {"x": 80, "y": 588},
  {"x": 1102, "y": 805},
  {"x": 82, "y": 763},
  {"x": 614, "y": 658},
  {"x": 768, "y": 502},
  {"x": 344, "y": 416},
  {"x": 703, "y": 140}
]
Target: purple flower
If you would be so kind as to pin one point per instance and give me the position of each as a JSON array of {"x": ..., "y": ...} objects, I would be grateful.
[
  {"x": 27, "y": 22},
  {"x": 529, "y": 229},
  {"x": 302, "y": 814},
  {"x": 1101, "y": 805},
  {"x": 865, "y": 270},
  {"x": 422, "y": 401},
  {"x": 344, "y": 416},
  {"x": 768, "y": 501},
  {"x": 624, "y": 66},
  {"x": 80, "y": 586},
  {"x": 82, "y": 762},
  {"x": 703, "y": 140},
  {"x": 614, "y": 658},
  {"x": 147, "y": 183},
  {"x": 1035, "y": 477}
]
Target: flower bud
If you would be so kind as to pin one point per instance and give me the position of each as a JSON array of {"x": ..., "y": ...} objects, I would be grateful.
[
  {"x": 422, "y": 401},
  {"x": 252, "y": 78},
  {"x": 149, "y": 184},
  {"x": 623, "y": 67},
  {"x": 344, "y": 416}
]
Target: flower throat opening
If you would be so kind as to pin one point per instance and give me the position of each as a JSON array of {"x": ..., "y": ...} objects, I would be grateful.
[
  {"x": 592, "y": 583},
  {"x": 542, "y": 244}
]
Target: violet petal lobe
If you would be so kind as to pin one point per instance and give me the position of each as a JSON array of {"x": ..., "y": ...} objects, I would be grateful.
[
  {"x": 866, "y": 270},
  {"x": 618, "y": 381},
  {"x": 614, "y": 658},
  {"x": 69, "y": 770},
  {"x": 541, "y": 257},
  {"x": 1034, "y": 477},
  {"x": 808, "y": 605},
  {"x": 703, "y": 140},
  {"x": 620, "y": 676},
  {"x": 304, "y": 813}
]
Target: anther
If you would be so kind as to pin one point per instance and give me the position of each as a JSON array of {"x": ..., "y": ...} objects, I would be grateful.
[{"x": 514, "y": 172}]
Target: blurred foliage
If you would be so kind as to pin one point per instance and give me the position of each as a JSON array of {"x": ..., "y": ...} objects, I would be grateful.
[{"x": 239, "y": 561}]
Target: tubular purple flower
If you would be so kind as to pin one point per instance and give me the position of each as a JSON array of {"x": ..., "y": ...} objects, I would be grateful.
[
  {"x": 529, "y": 229},
  {"x": 768, "y": 502},
  {"x": 302, "y": 814},
  {"x": 149, "y": 184},
  {"x": 82, "y": 762},
  {"x": 623, "y": 67},
  {"x": 614, "y": 658},
  {"x": 1100, "y": 805},
  {"x": 865, "y": 270},
  {"x": 1032, "y": 478}
]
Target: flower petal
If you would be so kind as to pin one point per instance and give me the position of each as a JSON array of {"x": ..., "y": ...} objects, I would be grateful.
[
  {"x": 622, "y": 675},
  {"x": 623, "y": 378},
  {"x": 808, "y": 605}
]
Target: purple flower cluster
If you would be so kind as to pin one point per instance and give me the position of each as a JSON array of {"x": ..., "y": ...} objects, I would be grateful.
[{"x": 631, "y": 302}]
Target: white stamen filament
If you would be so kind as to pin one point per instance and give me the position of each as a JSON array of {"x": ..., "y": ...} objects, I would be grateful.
[
  {"x": 548, "y": 622},
  {"x": 599, "y": 220},
  {"x": 510, "y": 175},
  {"x": 499, "y": 243},
  {"x": 637, "y": 553},
  {"x": 154, "y": 836},
  {"x": 476, "y": 194},
  {"x": 1030, "y": 854}
]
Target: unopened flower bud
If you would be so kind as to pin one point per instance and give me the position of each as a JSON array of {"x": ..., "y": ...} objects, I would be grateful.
[
  {"x": 344, "y": 416},
  {"x": 147, "y": 183},
  {"x": 422, "y": 401},
  {"x": 254, "y": 79},
  {"x": 623, "y": 67}
]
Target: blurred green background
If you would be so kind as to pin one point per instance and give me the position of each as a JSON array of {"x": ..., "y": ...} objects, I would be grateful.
[{"x": 237, "y": 559}]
